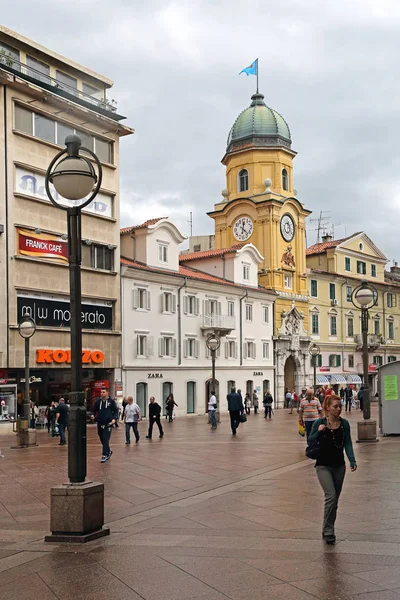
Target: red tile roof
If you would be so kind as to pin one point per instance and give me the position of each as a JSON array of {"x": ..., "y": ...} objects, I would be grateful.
[
  {"x": 145, "y": 224},
  {"x": 210, "y": 253},
  {"x": 321, "y": 248}
]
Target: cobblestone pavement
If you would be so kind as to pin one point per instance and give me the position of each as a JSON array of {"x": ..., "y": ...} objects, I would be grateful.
[{"x": 201, "y": 515}]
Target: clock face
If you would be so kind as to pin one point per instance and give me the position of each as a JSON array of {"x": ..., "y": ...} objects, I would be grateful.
[
  {"x": 287, "y": 228},
  {"x": 243, "y": 228}
]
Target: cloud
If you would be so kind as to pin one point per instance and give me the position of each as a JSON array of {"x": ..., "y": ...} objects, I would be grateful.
[{"x": 329, "y": 68}]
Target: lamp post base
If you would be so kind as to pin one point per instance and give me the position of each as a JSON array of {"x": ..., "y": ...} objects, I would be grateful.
[
  {"x": 366, "y": 431},
  {"x": 77, "y": 513},
  {"x": 26, "y": 439}
]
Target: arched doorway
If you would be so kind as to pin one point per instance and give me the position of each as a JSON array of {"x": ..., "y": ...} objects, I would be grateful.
[
  {"x": 210, "y": 387},
  {"x": 190, "y": 397},
  {"x": 290, "y": 373},
  {"x": 141, "y": 397},
  {"x": 249, "y": 387},
  {"x": 167, "y": 389}
]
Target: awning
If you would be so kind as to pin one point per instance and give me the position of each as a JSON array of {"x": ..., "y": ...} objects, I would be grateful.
[
  {"x": 336, "y": 378},
  {"x": 353, "y": 379},
  {"x": 322, "y": 380}
]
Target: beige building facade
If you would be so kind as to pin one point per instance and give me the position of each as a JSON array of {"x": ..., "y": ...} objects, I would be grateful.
[{"x": 43, "y": 98}]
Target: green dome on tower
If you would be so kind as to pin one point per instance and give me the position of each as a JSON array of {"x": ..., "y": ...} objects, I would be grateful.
[{"x": 258, "y": 125}]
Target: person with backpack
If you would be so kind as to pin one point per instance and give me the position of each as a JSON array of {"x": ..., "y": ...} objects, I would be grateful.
[
  {"x": 268, "y": 402},
  {"x": 288, "y": 398}
]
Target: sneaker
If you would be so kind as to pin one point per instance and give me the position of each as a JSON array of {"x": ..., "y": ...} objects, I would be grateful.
[
  {"x": 103, "y": 459},
  {"x": 126, "y": 443},
  {"x": 109, "y": 456}
]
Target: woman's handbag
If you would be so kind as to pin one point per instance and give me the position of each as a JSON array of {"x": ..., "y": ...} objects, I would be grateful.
[
  {"x": 243, "y": 418},
  {"x": 301, "y": 429},
  {"x": 314, "y": 449}
]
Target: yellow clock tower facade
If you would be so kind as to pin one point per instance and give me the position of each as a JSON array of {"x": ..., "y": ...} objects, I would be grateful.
[{"x": 259, "y": 206}]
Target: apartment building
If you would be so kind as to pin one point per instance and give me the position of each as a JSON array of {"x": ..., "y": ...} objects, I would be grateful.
[
  {"x": 43, "y": 98},
  {"x": 335, "y": 268},
  {"x": 172, "y": 301}
]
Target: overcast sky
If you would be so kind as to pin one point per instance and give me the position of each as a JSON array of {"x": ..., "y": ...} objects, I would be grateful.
[{"x": 330, "y": 68}]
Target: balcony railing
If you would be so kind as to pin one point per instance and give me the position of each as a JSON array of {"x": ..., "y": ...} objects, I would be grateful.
[
  {"x": 374, "y": 341},
  {"x": 24, "y": 71},
  {"x": 218, "y": 322}
]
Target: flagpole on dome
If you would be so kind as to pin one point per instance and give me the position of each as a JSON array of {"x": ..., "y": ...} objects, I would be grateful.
[{"x": 257, "y": 73}]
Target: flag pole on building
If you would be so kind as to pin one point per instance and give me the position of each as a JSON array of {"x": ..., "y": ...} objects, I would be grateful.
[{"x": 252, "y": 70}]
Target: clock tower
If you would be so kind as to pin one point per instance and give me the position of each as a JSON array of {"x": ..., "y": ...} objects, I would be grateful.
[{"x": 260, "y": 206}]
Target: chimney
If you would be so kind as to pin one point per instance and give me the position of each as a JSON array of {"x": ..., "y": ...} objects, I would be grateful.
[
  {"x": 327, "y": 237},
  {"x": 395, "y": 269}
]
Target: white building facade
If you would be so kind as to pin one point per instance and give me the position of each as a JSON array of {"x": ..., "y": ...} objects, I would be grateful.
[{"x": 170, "y": 303}]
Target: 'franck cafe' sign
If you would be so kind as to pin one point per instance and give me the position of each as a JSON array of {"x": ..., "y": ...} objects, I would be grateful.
[
  {"x": 42, "y": 245},
  {"x": 55, "y": 312}
]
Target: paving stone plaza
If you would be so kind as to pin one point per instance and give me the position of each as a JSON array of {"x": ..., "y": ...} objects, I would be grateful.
[{"x": 204, "y": 516}]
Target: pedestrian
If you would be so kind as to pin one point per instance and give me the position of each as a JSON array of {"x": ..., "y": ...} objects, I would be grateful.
[
  {"x": 34, "y": 413},
  {"x": 267, "y": 402},
  {"x": 355, "y": 399},
  {"x": 328, "y": 391},
  {"x": 124, "y": 403},
  {"x": 288, "y": 398},
  {"x": 105, "y": 412},
  {"x": 348, "y": 398},
  {"x": 321, "y": 396},
  {"x": 334, "y": 436},
  {"x": 236, "y": 409},
  {"x": 247, "y": 403},
  {"x": 132, "y": 417},
  {"x": 50, "y": 415},
  {"x": 212, "y": 407},
  {"x": 341, "y": 393},
  {"x": 360, "y": 397},
  {"x": 293, "y": 402},
  {"x": 255, "y": 403},
  {"x": 62, "y": 420},
  {"x": 170, "y": 403},
  {"x": 154, "y": 417},
  {"x": 309, "y": 410}
]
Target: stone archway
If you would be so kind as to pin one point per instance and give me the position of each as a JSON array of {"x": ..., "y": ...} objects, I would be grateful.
[{"x": 290, "y": 373}]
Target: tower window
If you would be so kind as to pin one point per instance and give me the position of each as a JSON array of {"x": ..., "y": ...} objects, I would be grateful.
[
  {"x": 285, "y": 179},
  {"x": 243, "y": 180}
]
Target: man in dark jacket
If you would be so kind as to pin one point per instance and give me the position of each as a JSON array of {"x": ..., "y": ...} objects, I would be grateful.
[
  {"x": 62, "y": 420},
  {"x": 105, "y": 411},
  {"x": 348, "y": 396},
  {"x": 236, "y": 408},
  {"x": 154, "y": 417}
]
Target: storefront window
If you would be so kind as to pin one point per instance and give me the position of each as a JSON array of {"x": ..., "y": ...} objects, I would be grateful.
[{"x": 8, "y": 402}]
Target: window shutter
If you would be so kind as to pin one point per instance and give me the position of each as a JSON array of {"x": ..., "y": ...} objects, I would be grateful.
[
  {"x": 196, "y": 348},
  {"x": 135, "y": 298},
  {"x": 245, "y": 350},
  {"x": 218, "y": 308},
  {"x": 185, "y": 348},
  {"x": 162, "y": 302},
  {"x": 226, "y": 349},
  {"x": 145, "y": 347},
  {"x": 148, "y": 303},
  {"x": 150, "y": 345},
  {"x": 173, "y": 303},
  {"x": 136, "y": 346},
  {"x": 185, "y": 305},
  {"x": 174, "y": 347},
  {"x": 338, "y": 360},
  {"x": 160, "y": 346},
  {"x": 218, "y": 353},
  {"x": 254, "y": 348},
  {"x": 204, "y": 307},
  {"x": 235, "y": 350},
  {"x": 197, "y": 309}
]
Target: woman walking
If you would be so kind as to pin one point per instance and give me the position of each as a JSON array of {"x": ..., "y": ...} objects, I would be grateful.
[
  {"x": 333, "y": 434},
  {"x": 247, "y": 403},
  {"x": 170, "y": 403}
]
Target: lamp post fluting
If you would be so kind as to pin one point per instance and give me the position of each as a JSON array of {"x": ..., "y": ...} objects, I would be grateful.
[{"x": 315, "y": 351}]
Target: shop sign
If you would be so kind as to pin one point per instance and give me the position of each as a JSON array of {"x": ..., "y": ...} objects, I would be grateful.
[
  {"x": 42, "y": 245},
  {"x": 324, "y": 369},
  {"x": 64, "y": 356},
  {"x": 32, "y": 183},
  {"x": 49, "y": 312},
  {"x": 258, "y": 374},
  {"x": 372, "y": 368},
  {"x": 154, "y": 376}
]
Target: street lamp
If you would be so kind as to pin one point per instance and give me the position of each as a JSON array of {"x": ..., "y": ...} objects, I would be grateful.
[
  {"x": 26, "y": 329},
  {"x": 213, "y": 342},
  {"x": 72, "y": 184},
  {"x": 315, "y": 351},
  {"x": 364, "y": 297}
]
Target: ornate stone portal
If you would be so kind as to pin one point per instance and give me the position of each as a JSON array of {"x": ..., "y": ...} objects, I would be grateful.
[{"x": 291, "y": 350}]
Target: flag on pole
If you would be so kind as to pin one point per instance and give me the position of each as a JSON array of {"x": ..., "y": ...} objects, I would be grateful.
[{"x": 252, "y": 69}]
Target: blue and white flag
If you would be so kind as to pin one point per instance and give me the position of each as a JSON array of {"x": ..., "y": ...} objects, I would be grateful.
[{"x": 252, "y": 69}]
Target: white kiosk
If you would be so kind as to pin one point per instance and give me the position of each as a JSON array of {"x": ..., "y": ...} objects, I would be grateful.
[{"x": 389, "y": 398}]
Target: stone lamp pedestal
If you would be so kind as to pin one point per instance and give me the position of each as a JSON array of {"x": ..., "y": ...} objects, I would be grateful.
[
  {"x": 366, "y": 431},
  {"x": 77, "y": 513}
]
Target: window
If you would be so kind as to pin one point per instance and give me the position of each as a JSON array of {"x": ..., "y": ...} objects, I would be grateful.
[
  {"x": 249, "y": 313},
  {"x": 390, "y": 300},
  {"x": 168, "y": 302},
  {"x": 23, "y": 119},
  {"x": 361, "y": 267},
  {"x": 347, "y": 264},
  {"x": 190, "y": 397},
  {"x": 66, "y": 82},
  {"x": 213, "y": 307},
  {"x": 230, "y": 349},
  {"x": 265, "y": 314},
  {"x": 103, "y": 149},
  {"x": 42, "y": 70},
  {"x": 141, "y": 346},
  {"x": 141, "y": 298},
  {"x": 9, "y": 56},
  {"x": 246, "y": 272},
  {"x": 191, "y": 347},
  {"x": 62, "y": 132},
  {"x": 101, "y": 257},
  {"x": 391, "y": 330},
  {"x": 249, "y": 350},
  {"x": 162, "y": 253},
  {"x": 377, "y": 328},
  {"x": 319, "y": 360},
  {"x": 378, "y": 360},
  {"x": 44, "y": 128},
  {"x": 243, "y": 180},
  {"x": 231, "y": 308},
  {"x": 351, "y": 360},
  {"x": 167, "y": 346},
  {"x": 333, "y": 325},
  {"x": 350, "y": 327},
  {"x": 92, "y": 91},
  {"x": 196, "y": 247},
  {"x": 288, "y": 282},
  {"x": 373, "y": 270},
  {"x": 315, "y": 323},
  {"x": 361, "y": 246},
  {"x": 314, "y": 288},
  {"x": 332, "y": 291},
  {"x": 391, "y": 359},
  {"x": 265, "y": 349},
  {"x": 191, "y": 305},
  {"x": 285, "y": 179},
  {"x": 349, "y": 292},
  {"x": 335, "y": 360}
]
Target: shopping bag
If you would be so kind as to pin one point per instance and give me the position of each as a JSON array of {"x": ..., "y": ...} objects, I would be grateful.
[{"x": 301, "y": 429}]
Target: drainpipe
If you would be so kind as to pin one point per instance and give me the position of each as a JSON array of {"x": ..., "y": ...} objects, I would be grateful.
[
  {"x": 241, "y": 325},
  {"x": 223, "y": 266},
  {"x": 6, "y": 226},
  {"x": 180, "y": 321},
  {"x": 342, "y": 319}
]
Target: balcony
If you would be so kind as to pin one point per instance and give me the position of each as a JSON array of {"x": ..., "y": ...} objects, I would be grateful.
[
  {"x": 222, "y": 325},
  {"x": 44, "y": 81},
  {"x": 374, "y": 341}
]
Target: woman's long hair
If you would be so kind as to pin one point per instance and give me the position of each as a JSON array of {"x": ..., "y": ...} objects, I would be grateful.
[{"x": 328, "y": 401}]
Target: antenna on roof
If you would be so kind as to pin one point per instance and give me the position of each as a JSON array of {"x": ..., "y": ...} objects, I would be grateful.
[
  {"x": 322, "y": 221},
  {"x": 190, "y": 221}
]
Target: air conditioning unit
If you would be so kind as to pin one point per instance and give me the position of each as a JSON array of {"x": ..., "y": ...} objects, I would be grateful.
[{"x": 334, "y": 302}]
